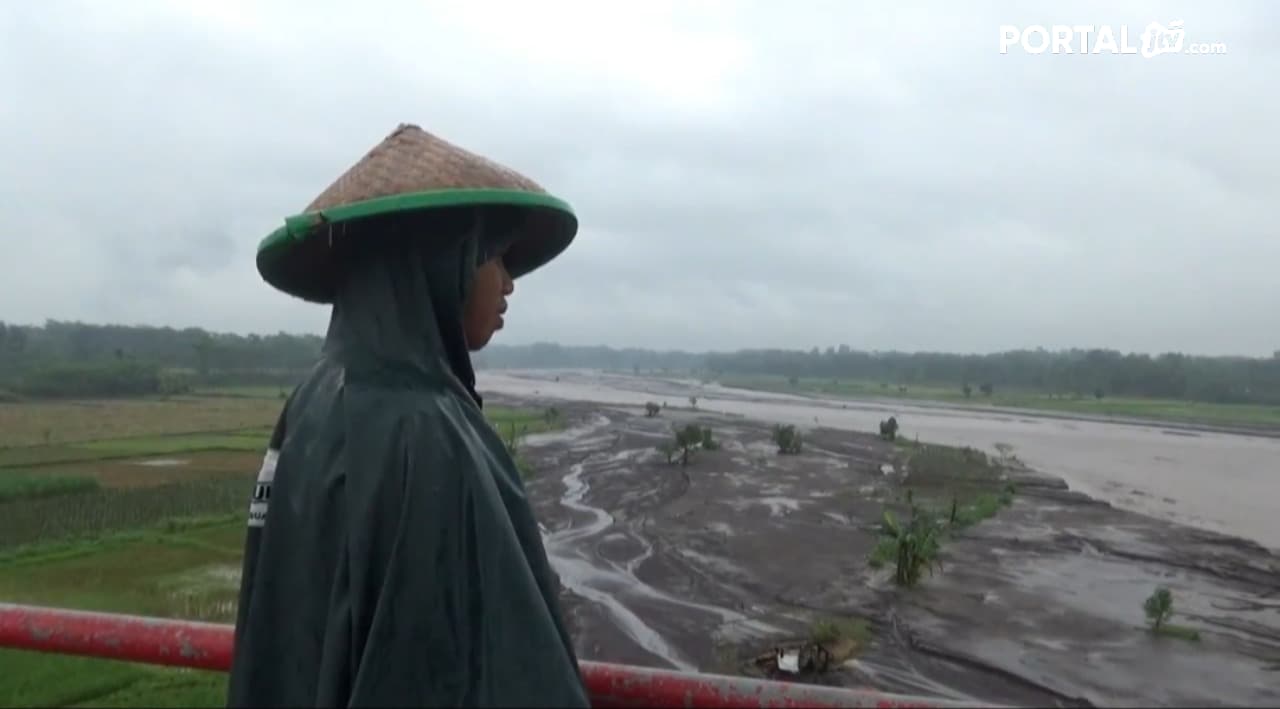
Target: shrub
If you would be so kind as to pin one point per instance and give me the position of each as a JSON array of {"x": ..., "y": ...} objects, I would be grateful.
[
  {"x": 914, "y": 546},
  {"x": 1158, "y": 607},
  {"x": 709, "y": 443},
  {"x": 788, "y": 439}
]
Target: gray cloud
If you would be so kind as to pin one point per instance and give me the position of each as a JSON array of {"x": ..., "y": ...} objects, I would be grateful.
[{"x": 745, "y": 175}]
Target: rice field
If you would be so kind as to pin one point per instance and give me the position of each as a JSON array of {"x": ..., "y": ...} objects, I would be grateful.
[
  {"x": 136, "y": 507},
  {"x": 38, "y": 424}
]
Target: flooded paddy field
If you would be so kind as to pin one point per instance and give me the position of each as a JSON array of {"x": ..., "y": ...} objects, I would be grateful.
[{"x": 711, "y": 566}]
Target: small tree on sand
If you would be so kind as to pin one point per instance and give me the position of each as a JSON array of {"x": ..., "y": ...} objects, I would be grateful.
[
  {"x": 688, "y": 439},
  {"x": 787, "y": 438},
  {"x": 709, "y": 443},
  {"x": 668, "y": 449},
  {"x": 1159, "y": 608}
]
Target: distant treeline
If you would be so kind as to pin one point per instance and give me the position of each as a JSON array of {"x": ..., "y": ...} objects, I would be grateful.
[
  {"x": 71, "y": 359},
  {"x": 548, "y": 355},
  {"x": 77, "y": 359},
  {"x": 1069, "y": 372}
]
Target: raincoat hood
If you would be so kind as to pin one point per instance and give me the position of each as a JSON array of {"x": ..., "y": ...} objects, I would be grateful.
[{"x": 398, "y": 312}]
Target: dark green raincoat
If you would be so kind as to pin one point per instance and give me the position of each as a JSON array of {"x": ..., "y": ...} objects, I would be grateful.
[{"x": 392, "y": 558}]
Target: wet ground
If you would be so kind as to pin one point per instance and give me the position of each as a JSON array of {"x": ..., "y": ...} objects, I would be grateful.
[
  {"x": 1041, "y": 605},
  {"x": 1215, "y": 481}
]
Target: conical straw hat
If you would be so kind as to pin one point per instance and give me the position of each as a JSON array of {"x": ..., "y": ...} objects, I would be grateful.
[{"x": 410, "y": 169}]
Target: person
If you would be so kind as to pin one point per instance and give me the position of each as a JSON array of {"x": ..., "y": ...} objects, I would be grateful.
[{"x": 391, "y": 556}]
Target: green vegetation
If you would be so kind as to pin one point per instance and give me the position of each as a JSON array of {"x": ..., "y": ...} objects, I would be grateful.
[
  {"x": 514, "y": 424},
  {"x": 842, "y": 637},
  {"x": 1159, "y": 610},
  {"x": 789, "y": 440},
  {"x": 831, "y": 630},
  {"x": 252, "y": 440},
  {"x": 889, "y": 429},
  {"x": 106, "y": 379},
  {"x": 181, "y": 571},
  {"x": 914, "y": 546},
  {"x": 526, "y": 420},
  {"x": 1094, "y": 374},
  {"x": 651, "y": 409},
  {"x": 951, "y": 489},
  {"x": 1157, "y": 409},
  {"x": 103, "y": 358},
  {"x": 88, "y": 513},
  {"x": 91, "y": 518},
  {"x": 684, "y": 441},
  {"x": 709, "y": 443},
  {"x": 47, "y": 423},
  {"x": 16, "y": 486},
  {"x": 243, "y": 392},
  {"x": 78, "y": 360}
]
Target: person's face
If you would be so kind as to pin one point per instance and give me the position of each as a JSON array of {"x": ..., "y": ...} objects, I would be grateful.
[{"x": 482, "y": 313}]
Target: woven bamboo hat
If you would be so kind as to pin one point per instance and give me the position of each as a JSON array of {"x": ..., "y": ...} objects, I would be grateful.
[{"x": 411, "y": 170}]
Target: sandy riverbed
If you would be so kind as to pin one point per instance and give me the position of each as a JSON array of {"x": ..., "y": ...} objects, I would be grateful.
[
  {"x": 1039, "y": 606},
  {"x": 1214, "y": 481}
]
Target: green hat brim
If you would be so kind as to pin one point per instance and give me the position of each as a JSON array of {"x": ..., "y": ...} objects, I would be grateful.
[{"x": 300, "y": 257}]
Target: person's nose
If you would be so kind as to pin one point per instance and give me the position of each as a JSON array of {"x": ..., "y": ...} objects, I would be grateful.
[{"x": 508, "y": 284}]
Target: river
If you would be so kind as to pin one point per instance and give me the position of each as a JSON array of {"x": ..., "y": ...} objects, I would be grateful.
[{"x": 1228, "y": 483}]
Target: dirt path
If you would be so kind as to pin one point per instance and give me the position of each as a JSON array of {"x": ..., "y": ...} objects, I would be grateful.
[{"x": 1039, "y": 606}]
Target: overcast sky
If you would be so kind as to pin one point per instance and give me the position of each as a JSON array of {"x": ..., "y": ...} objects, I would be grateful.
[{"x": 747, "y": 174}]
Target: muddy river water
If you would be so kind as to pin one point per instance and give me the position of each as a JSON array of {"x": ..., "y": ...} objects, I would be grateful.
[{"x": 1222, "y": 482}]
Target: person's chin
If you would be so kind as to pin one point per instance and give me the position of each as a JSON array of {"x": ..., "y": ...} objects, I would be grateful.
[{"x": 476, "y": 346}]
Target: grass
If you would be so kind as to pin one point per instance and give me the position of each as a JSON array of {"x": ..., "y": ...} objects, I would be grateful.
[
  {"x": 254, "y": 440},
  {"x": 525, "y": 421},
  {"x": 1173, "y": 410},
  {"x": 1179, "y": 632},
  {"x": 22, "y": 486},
  {"x": 149, "y": 470},
  {"x": 44, "y": 423},
  {"x": 832, "y": 630},
  {"x": 275, "y": 393},
  {"x": 85, "y": 524},
  {"x": 842, "y": 637},
  {"x": 175, "y": 571},
  {"x": 884, "y": 553},
  {"x": 86, "y": 514},
  {"x": 513, "y": 424}
]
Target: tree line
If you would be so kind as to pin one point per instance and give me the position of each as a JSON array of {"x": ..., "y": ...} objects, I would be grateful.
[
  {"x": 62, "y": 358},
  {"x": 1075, "y": 372},
  {"x": 74, "y": 359}
]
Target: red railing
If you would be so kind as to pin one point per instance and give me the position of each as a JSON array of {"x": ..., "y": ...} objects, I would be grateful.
[{"x": 208, "y": 646}]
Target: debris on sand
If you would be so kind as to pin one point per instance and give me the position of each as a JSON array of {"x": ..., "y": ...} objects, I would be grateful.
[
  {"x": 832, "y": 643},
  {"x": 797, "y": 659}
]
